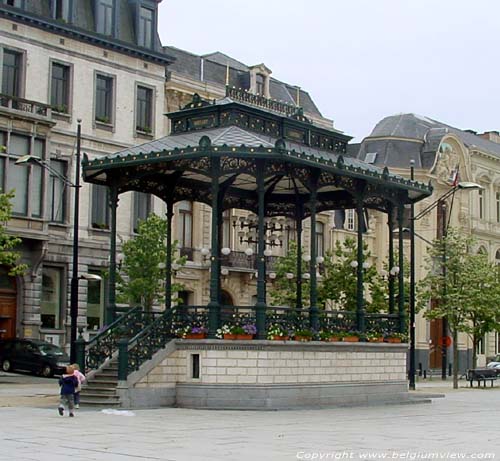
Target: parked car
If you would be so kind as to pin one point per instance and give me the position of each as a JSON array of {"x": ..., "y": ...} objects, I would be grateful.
[
  {"x": 495, "y": 363},
  {"x": 32, "y": 355}
]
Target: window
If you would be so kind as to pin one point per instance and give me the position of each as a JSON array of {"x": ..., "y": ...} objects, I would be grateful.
[
  {"x": 100, "y": 207},
  {"x": 57, "y": 192},
  {"x": 320, "y": 239},
  {"x": 142, "y": 208},
  {"x": 290, "y": 236},
  {"x": 145, "y": 35},
  {"x": 144, "y": 109},
  {"x": 498, "y": 206},
  {"x": 51, "y": 302},
  {"x": 259, "y": 82},
  {"x": 11, "y": 73},
  {"x": 105, "y": 17},
  {"x": 60, "y": 9},
  {"x": 350, "y": 221},
  {"x": 185, "y": 228},
  {"x": 95, "y": 301},
  {"x": 16, "y": 3},
  {"x": 104, "y": 99},
  {"x": 59, "y": 90},
  {"x": 481, "y": 203},
  {"x": 25, "y": 179}
]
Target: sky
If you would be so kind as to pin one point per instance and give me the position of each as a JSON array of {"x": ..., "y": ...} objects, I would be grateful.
[{"x": 360, "y": 60}]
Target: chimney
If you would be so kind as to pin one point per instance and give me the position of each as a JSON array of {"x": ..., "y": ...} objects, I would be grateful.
[{"x": 492, "y": 136}]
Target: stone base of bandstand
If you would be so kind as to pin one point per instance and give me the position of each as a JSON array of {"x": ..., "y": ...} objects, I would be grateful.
[{"x": 268, "y": 375}]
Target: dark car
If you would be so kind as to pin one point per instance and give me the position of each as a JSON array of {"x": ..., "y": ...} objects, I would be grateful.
[{"x": 32, "y": 355}]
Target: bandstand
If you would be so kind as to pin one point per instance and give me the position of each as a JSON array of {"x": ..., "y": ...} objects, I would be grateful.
[{"x": 265, "y": 157}]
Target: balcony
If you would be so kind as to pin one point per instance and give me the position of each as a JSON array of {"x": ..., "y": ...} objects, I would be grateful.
[{"x": 24, "y": 108}]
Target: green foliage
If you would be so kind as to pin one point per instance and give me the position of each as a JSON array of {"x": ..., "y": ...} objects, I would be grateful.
[
  {"x": 284, "y": 291},
  {"x": 339, "y": 282},
  {"x": 142, "y": 276},
  {"x": 9, "y": 258},
  {"x": 465, "y": 286}
]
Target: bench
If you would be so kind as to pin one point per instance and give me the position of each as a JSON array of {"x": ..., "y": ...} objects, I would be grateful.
[{"x": 482, "y": 374}]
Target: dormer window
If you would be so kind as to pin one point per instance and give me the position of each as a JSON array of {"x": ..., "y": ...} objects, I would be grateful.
[
  {"x": 104, "y": 17},
  {"x": 260, "y": 81},
  {"x": 146, "y": 23},
  {"x": 60, "y": 9}
]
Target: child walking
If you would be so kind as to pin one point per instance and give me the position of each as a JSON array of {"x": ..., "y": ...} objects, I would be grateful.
[
  {"x": 68, "y": 383},
  {"x": 81, "y": 379}
]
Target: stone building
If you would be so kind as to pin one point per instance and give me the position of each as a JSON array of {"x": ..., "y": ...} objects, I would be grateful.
[
  {"x": 441, "y": 152},
  {"x": 99, "y": 61}
]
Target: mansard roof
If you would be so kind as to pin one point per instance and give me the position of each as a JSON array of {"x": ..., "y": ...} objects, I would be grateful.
[
  {"x": 398, "y": 139},
  {"x": 37, "y": 13}
]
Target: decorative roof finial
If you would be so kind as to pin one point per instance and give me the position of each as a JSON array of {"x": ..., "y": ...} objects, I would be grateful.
[{"x": 227, "y": 74}]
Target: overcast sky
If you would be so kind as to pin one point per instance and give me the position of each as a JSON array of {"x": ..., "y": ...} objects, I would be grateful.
[{"x": 360, "y": 60}]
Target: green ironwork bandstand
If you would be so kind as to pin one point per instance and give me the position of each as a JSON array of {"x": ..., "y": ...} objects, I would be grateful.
[{"x": 264, "y": 156}]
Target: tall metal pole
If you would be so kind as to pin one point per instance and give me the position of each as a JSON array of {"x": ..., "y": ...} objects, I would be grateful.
[
  {"x": 390, "y": 224},
  {"x": 298, "y": 225},
  {"x": 260, "y": 306},
  {"x": 74, "y": 275},
  {"x": 401, "y": 280},
  {"x": 360, "y": 301},
  {"x": 313, "y": 306},
  {"x": 444, "y": 334},
  {"x": 168, "y": 262},
  {"x": 411, "y": 372}
]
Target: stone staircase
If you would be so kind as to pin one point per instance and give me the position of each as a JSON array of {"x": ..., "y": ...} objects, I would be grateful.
[{"x": 100, "y": 389}]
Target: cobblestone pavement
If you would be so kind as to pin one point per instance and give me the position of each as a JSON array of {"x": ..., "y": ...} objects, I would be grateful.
[{"x": 461, "y": 426}]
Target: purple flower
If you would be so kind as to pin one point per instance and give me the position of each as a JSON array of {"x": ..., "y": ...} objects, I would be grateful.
[
  {"x": 250, "y": 329},
  {"x": 195, "y": 330}
]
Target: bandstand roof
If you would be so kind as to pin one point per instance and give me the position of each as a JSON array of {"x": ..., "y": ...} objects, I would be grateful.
[{"x": 249, "y": 133}]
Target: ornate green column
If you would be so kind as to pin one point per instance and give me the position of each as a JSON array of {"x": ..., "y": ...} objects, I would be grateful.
[
  {"x": 213, "y": 305},
  {"x": 401, "y": 280},
  {"x": 111, "y": 307},
  {"x": 260, "y": 306},
  {"x": 360, "y": 301},
  {"x": 168, "y": 262},
  {"x": 313, "y": 307},
  {"x": 298, "y": 224},
  {"x": 390, "y": 224}
]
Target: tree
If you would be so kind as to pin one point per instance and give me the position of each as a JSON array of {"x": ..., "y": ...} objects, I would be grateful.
[
  {"x": 339, "y": 282},
  {"x": 465, "y": 288},
  {"x": 284, "y": 290},
  {"x": 9, "y": 258},
  {"x": 142, "y": 276}
]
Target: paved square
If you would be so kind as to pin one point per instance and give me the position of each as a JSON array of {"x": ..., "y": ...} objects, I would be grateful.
[{"x": 462, "y": 425}]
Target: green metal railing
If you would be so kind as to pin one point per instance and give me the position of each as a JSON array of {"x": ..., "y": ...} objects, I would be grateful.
[{"x": 105, "y": 344}]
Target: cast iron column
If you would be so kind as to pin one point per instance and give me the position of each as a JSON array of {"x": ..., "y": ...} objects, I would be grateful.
[
  {"x": 168, "y": 262},
  {"x": 260, "y": 306},
  {"x": 213, "y": 305},
  {"x": 444, "y": 321},
  {"x": 298, "y": 223},
  {"x": 390, "y": 224},
  {"x": 401, "y": 280},
  {"x": 360, "y": 302},
  {"x": 111, "y": 308},
  {"x": 313, "y": 308},
  {"x": 411, "y": 377},
  {"x": 74, "y": 276}
]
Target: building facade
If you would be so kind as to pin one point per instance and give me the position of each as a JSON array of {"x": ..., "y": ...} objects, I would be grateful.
[
  {"x": 99, "y": 61},
  {"x": 444, "y": 155}
]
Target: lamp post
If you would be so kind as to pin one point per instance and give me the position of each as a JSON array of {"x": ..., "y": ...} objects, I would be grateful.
[
  {"x": 441, "y": 202},
  {"x": 74, "y": 277}
]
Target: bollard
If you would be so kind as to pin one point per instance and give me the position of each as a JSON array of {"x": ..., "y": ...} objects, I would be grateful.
[
  {"x": 420, "y": 369},
  {"x": 449, "y": 369},
  {"x": 425, "y": 374}
]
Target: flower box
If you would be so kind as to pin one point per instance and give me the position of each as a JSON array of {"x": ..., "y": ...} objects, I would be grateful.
[
  {"x": 195, "y": 336},
  {"x": 393, "y": 340},
  {"x": 280, "y": 338},
  {"x": 351, "y": 339},
  {"x": 333, "y": 339},
  {"x": 245, "y": 337},
  {"x": 376, "y": 340},
  {"x": 229, "y": 336},
  {"x": 302, "y": 338}
]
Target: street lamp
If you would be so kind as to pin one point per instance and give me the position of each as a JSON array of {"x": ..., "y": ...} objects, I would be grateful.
[
  {"x": 74, "y": 276},
  {"x": 445, "y": 224}
]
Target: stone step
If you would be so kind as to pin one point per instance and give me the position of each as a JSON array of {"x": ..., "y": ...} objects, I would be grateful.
[
  {"x": 97, "y": 396},
  {"x": 98, "y": 391},
  {"x": 99, "y": 402},
  {"x": 105, "y": 381}
]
